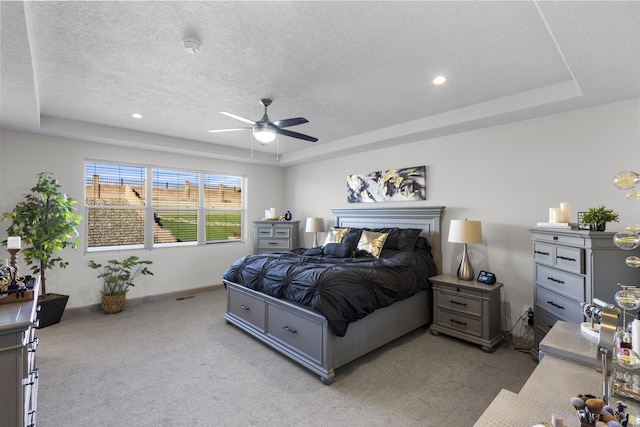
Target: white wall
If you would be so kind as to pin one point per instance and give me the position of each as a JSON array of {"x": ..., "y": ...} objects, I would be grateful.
[
  {"x": 23, "y": 156},
  {"x": 505, "y": 176}
]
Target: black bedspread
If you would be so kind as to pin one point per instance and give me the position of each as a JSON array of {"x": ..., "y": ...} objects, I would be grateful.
[{"x": 342, "y": 289}]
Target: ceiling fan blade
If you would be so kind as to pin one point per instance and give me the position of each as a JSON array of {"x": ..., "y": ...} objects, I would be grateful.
[
  {"x": 290, "y": 122},
  {"x": 295, "y": 134},
  {"x": 235, "y": 116},
  {"x": 228, "y": 130}
]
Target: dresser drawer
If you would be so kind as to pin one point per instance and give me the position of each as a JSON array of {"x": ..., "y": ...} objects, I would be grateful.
[
  {"x": 570, "y": 258},
  {"x": 302, "y": 334},
  {"x": 558, "y": 306},
  {"x": 560, "y": 239},
  {"x": 454, "y": 320},
  {"x": 544, "y": 321},
  {"x": 458, "y": 301},
  {"x": 247, "y": 307},
  {"x": 570, "y": 285},
  {"x": 543, "y": 253},
  {"x": 274, "y": 244}
]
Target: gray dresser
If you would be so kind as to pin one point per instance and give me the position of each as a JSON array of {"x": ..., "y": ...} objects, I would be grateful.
[
  {"x": 275, "y": 236},
  {"x": 572, "y": 266},
  {"x": 18, "y": 373}
]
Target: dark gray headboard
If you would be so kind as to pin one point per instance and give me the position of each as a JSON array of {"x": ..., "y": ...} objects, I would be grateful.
[{"x": 426, "y": 218}]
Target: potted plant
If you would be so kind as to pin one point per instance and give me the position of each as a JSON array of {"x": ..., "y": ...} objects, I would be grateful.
[
  {"x": 46, "y": 221},
  {"x": 116, "y": 277},
  {"x": 596, "y": 218}
]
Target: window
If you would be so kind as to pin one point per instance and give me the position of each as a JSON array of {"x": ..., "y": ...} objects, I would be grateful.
[{"x": 186, "y": 207}]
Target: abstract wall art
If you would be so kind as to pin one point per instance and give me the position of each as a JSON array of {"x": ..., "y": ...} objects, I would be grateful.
[{"x": 392, "y": 185}]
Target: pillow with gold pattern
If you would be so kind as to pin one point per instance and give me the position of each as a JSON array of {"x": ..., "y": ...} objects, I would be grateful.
[
  {"x": 335, "y": 235},
  {"x": 372, "y": 242}
]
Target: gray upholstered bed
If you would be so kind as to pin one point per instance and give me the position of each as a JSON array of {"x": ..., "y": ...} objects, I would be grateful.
[{"x": 304, "y": 335}]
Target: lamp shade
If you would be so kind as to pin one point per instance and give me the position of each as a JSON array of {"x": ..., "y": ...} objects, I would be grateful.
[
  {"x": 464, "y": 231},
  {"x": 314, "y": 225}
]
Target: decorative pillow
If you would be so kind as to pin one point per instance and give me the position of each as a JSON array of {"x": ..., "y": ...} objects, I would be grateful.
[
  {"x": 423, "y": 244},
  {"x": 352, "y": 238},
  {"x": 335, "y": 235},
  {"x": 372, "y": 242},
  {"x": 403, "y": 239},
  {"x": 336, "y": 250}
]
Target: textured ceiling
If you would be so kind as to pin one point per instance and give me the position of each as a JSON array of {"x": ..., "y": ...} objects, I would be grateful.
[{"x": 360, "y": 72}]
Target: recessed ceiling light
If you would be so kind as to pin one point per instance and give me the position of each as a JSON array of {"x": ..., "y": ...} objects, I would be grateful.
[
  {"x": 136, "y": 115},
  {"x": 440, "y": 80}
]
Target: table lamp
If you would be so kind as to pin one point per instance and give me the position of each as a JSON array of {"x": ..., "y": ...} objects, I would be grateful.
[
  {"x": 465, "y": 232},
  {"x": 315, "y": 225}
]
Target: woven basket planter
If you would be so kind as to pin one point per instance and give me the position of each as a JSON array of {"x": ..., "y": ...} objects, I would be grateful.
[{"x": 113, "y": 303}]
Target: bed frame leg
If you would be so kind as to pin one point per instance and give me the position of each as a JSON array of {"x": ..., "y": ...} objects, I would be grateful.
[{"x": 329, "y": 379}]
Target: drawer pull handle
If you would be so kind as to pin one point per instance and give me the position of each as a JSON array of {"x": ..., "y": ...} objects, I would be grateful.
[
  {"x": 244, "y": 307},
  {"x": 272, "y": 243},
  {"x": 459, "y": 303},
  {"x": 556, "y": 305},
  {"x": 566, "y": 258},
  {"x": 288, "y": 329},
  {"x": 458, "y": 322},
  {"x": 555, "y": 280},
  {"x": 542, "y": 253},
  {"x": 555, "y": 237}
]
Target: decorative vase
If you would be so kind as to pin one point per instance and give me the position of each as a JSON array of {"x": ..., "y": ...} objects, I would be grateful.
[
  {"x": 598, "y": 227},
  {"x": 113, "y": 303}
]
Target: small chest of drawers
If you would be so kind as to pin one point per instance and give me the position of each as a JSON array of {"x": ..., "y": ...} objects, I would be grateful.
[
  {"x": 469, "y": 310},
  {"x": 572, "y": 266},
  {"x": 275, "y": 236}
]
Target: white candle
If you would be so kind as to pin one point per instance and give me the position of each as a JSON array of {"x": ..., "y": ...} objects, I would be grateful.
[
  {"x": 554, "y": 215},
  {"x": 565, "y": 207},
  {"x": 13, "y": 243}
]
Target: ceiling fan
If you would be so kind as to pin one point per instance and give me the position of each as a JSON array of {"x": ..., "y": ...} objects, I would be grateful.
[{"x": 265, "y": 130}]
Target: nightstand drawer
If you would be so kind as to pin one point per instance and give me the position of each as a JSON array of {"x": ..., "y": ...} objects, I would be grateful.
[
  {"x": 459, "y": 302},
  {"x": 464, "y": 291},
  {"x": 275, "y": 244},
  {"x": 247, "y": 307},
  {"x": 570, "y": 285},
  {"x": 558, "y": 306},
  {"x": 302, "y": 334},
  {"x": 454, "y": 320},
  {"x": 264, "y": 231}
]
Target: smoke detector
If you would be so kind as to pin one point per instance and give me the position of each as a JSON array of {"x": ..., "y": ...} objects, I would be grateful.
[{"x": 191, "y": 45}]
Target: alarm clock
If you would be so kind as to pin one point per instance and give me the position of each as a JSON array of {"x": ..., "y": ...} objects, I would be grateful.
[{"x": 487, "y": 278}]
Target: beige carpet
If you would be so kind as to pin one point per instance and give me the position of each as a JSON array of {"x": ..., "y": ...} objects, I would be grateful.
[{"x": 177, "y": 363}]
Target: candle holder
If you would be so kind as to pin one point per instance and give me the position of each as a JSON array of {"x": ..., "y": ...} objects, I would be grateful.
[{"x": 12, "y": 261}]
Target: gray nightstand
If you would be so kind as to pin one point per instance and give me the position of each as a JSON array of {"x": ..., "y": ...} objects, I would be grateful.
[{"x": 468, "y": 310}]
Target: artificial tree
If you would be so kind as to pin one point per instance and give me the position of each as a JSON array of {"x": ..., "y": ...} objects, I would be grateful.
[{"x": 46, "y": 220}]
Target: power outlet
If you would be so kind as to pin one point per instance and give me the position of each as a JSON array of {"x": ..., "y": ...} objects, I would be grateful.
[{"x": 530, "y": 316}]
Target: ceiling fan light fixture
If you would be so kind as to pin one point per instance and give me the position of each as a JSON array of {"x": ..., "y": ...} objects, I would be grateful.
[{"x": 263, "y": 133}]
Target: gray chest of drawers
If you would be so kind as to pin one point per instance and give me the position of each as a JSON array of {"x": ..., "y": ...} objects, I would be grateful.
[
  {"x": 275, "y": 236},
  {"x": 572, "y": 266},
  {"x": 18, "y": 372}
]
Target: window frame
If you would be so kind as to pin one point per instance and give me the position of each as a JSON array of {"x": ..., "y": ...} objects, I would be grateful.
[{"x": 200, "y": 210}]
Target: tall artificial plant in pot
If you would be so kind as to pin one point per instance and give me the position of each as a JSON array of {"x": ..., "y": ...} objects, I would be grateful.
[
  {"x": 46, "y": 220},
  {"x": 117, "y": 276}
]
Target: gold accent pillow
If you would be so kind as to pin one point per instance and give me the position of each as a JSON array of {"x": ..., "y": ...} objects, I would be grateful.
[
  {"x": 372, "y": 242},
  {"x": 335, "y": 235}
]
